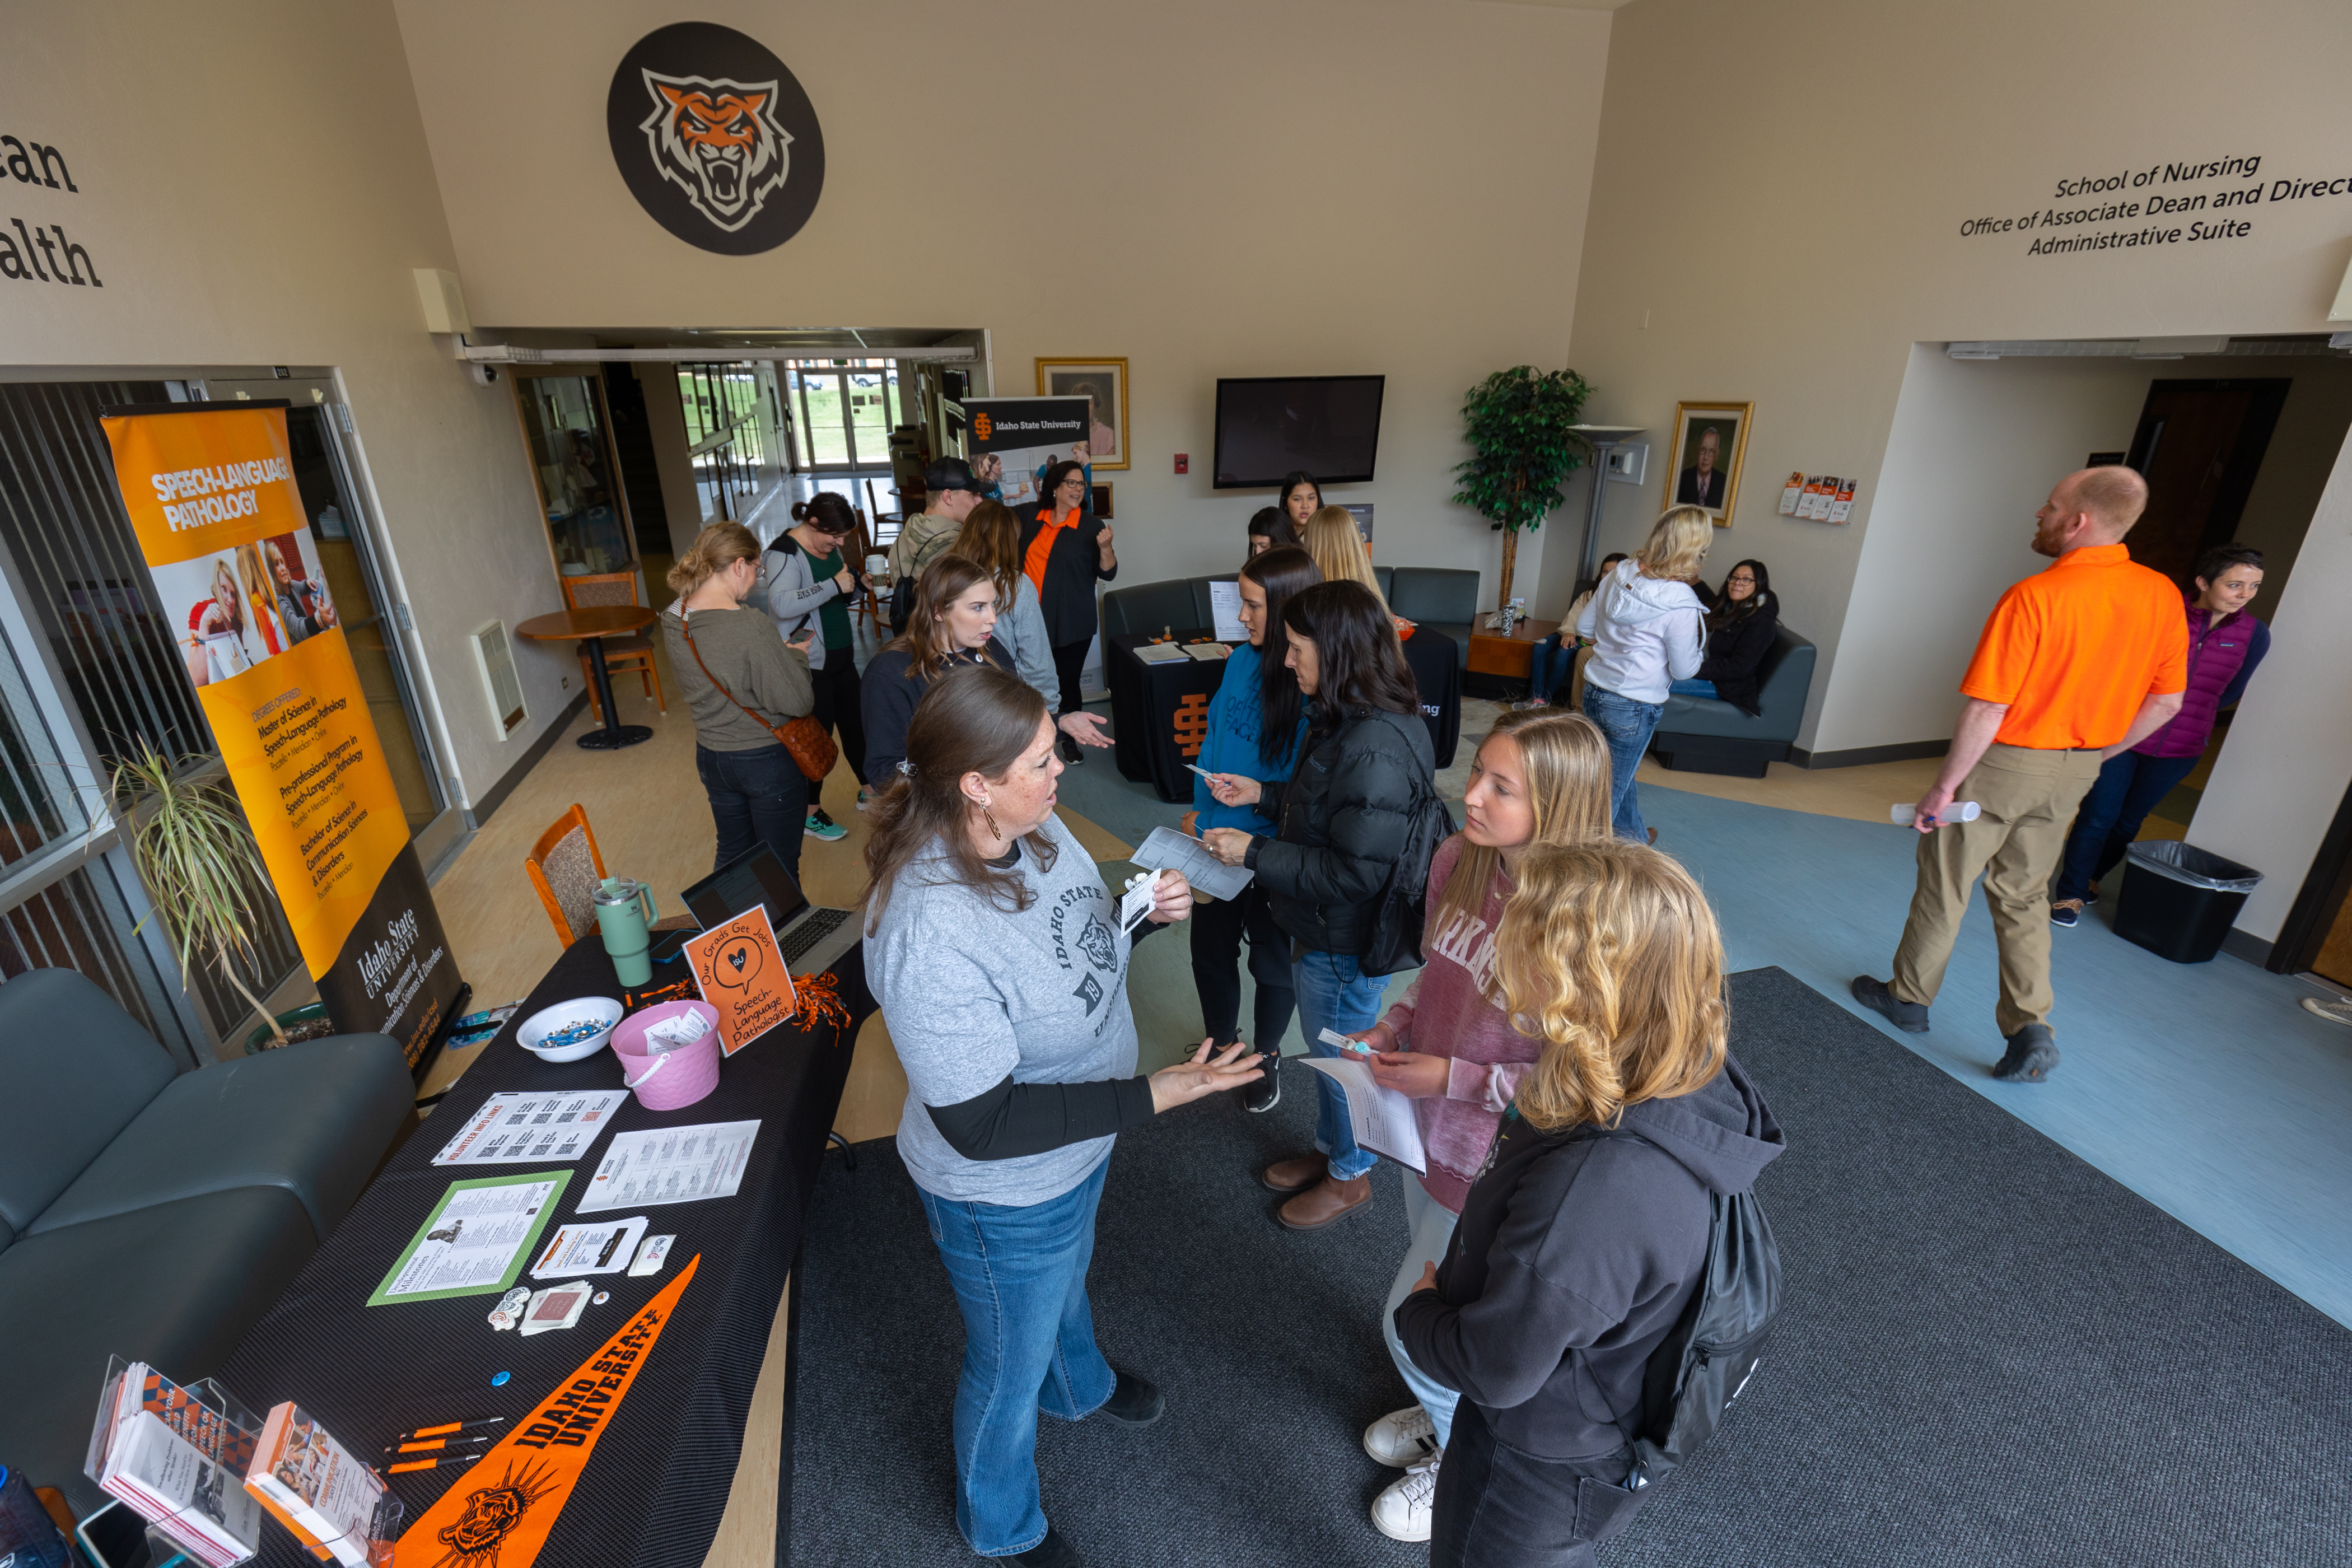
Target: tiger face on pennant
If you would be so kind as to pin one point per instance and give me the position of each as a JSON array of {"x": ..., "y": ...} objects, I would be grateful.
[{"x": 719, "y": 141}]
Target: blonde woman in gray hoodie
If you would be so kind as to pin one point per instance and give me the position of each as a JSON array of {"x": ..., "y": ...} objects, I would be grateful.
[{"x": 1648, "y": 630}]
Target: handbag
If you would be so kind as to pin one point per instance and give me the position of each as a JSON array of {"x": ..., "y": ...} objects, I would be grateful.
[{"x": 812, "y": 747}]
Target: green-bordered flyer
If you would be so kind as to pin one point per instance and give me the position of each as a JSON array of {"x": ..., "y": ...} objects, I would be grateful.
[{"x": 476, "y": 1239}]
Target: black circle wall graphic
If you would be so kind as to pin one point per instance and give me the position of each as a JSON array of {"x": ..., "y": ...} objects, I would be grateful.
[{"x": 715, "y": 138}]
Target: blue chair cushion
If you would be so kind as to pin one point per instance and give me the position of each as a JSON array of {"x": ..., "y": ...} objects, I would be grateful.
[
  {"x": 313, "y": 1118},
  {"x": 75, "y": 1068}
]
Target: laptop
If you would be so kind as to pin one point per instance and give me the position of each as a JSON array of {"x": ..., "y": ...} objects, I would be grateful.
[{"x": 808, "y": 936}]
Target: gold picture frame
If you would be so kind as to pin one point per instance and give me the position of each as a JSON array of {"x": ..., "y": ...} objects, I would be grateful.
[
  {"x": 1717, "y": 487},
  {"x": 1085, "y": 378}
]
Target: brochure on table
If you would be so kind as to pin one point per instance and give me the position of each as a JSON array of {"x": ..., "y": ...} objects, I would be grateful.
[
  {"x": 322, "y": 1492},
  {"x": 177, "y": 1457},
  {"x": 585, "y": 1246},
  {"x": 671, "y": 1165},
  {"x": 475, "y": 1240},
  {"x": 526, "y": 1129}
]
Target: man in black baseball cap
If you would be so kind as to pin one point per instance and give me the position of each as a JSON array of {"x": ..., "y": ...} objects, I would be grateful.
[{"x": 950, "y": 493}]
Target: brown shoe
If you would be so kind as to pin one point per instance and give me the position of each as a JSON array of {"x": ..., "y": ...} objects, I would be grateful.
[
  {"x": 1326, "y": 1201},
  {"x": 1294, "y": 1176}
]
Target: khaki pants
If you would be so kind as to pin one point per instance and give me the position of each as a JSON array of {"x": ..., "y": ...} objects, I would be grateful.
[{"x": 2028, "y": 799}]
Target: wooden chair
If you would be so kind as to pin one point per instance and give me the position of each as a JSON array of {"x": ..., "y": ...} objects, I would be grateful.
[
  {"x": 887, "y": 524},
  {"x": 565, "y": 867},
  {"x": 622, "y": 655},
  {"x": 864, "y": 602}
]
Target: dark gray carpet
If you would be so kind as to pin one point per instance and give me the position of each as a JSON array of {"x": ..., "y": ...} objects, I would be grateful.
[{"x": 1991, "y": 1354}]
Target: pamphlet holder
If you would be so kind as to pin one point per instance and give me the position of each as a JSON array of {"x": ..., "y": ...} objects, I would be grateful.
[{"x": 205, "y": 1392}]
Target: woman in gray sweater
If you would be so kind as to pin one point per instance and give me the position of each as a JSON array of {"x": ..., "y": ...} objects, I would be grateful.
[
  {"x": 1002, "y": 969},
  {"x": 757, "y": 793}
]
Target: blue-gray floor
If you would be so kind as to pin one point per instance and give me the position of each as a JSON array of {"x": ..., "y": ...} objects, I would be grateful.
[{"x": 2203, "y": 1088}]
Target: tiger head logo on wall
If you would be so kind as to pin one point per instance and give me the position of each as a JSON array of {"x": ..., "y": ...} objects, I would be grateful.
[
  {"x": 719, "y": 141},
  {"x": 715, "y": 138}
]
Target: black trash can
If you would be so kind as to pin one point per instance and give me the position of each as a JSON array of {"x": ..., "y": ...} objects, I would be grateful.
[{"x": 2178, "y": 901}]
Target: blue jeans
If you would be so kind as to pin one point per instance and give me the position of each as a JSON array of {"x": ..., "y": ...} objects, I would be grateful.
[
  {"x": 1430, "y": 1224},
  {"x": 1549, "y": 666},
  {"x": 1692, "y": 688},
  {"x": 1333, "y": 994},
  {"x": 2126, "y": 789},
  {"x": 756, "y": 797},
  {"x": 1020, "y": 1275},
  {"x": 1627, "y": 725}
]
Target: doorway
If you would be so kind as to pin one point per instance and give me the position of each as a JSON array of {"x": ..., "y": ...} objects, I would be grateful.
[
  {"x": 846, "y": 409},
  {"x": 567, "y": 432},
  {"x": 2199, "y": 444}
]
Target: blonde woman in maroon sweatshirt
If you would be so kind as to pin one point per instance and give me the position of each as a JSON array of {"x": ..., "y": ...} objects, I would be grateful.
[{"x": 1541, "y": 776}]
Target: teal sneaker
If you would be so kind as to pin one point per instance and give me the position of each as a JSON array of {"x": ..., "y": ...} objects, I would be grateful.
[{"x": 819, "y": 826}]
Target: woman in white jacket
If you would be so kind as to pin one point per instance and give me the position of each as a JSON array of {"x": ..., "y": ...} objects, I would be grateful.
[{"x": 1648, "y": 630}]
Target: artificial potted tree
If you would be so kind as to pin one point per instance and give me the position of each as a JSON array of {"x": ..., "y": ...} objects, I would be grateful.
[
  {"x": 204, "y": 873},
  {"x": 1518, "y": 424}
]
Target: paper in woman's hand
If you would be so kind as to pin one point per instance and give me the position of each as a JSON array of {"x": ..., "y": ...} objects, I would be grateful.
[{"x": 1382, "y": 1118}]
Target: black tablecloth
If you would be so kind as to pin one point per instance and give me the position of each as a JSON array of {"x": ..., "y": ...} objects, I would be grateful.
[
  {"x": 657, "y": 1480},
  {"x": 1160, "y": 711}
]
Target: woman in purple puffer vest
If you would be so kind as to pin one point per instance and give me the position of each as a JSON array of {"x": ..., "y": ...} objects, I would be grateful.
[{"x": 2225, "y": 643}]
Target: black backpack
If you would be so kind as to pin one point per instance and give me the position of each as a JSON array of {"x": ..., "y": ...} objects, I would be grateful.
[
  {"x": 1395, "y": 941},
  {"x": 1696, "y": 1373}
]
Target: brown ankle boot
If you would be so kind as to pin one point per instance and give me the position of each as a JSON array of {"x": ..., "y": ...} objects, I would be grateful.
[
  {"x": 1326, "y": 1201},
  {"x": 1295, "y": 1175}
]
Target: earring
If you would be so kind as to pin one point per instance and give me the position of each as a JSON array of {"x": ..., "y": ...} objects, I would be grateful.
[{"x": 994, "y": 831}]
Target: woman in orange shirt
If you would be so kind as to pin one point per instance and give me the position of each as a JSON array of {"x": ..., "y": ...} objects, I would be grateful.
[{"x": 1065, "y": 552}]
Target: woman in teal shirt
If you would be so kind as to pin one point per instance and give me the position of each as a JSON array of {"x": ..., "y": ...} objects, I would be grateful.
[{"x": 1254, "y": 723}]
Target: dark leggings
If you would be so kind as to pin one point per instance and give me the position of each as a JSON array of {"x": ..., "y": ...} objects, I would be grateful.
[
  {"x": 1070, "y": 665},
  {"x": 841, "y": 706},
  {"x": 1218, "y": 929}
]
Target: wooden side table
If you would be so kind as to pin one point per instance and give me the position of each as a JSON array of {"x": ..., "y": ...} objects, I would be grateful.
[
  {"x": 590, "y": 625},
  {"x": 1491, "y": 653}
]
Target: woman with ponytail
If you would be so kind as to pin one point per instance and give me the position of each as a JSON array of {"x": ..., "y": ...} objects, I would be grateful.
[
  {"x": 1585, "y": 1236},
  {"x": 803, "y": 581},
  {"x": 757, "y": 792},
  {"x": 951, "y": 622}
]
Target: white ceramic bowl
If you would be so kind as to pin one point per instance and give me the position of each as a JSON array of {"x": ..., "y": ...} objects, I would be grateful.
[{"x": 602, "y": 1011}]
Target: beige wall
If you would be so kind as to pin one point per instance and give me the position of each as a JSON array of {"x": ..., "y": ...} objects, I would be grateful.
[
  {"x": 255, "y": 188},
  {"x": 1225, "y": 188},
  {"x": 1776, "y": 217}
]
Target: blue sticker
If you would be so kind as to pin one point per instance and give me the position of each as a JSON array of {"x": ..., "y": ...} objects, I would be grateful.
[{"x": 501, "y": 1380}]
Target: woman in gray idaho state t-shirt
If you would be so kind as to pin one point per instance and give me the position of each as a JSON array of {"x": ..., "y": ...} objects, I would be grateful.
[{"x": 1001, "y": 968}]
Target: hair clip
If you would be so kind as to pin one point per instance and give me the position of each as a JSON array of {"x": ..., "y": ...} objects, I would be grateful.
[{"x": 905, "y": 768}]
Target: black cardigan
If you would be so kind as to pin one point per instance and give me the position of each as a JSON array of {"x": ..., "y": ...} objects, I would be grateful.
[
  {"x": 1071, "y": 571},
  {"x": 1734, "y": 651}
]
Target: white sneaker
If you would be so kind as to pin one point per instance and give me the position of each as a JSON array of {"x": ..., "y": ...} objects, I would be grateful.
[
  {"x": 2334, "y": 1009},
  {"x": 1404, "y": 1511},
  {"x": 1401, "y": 1438}
]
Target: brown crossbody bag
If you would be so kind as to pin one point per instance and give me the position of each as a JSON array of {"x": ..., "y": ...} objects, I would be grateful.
[{"x": 810, "y": 745}]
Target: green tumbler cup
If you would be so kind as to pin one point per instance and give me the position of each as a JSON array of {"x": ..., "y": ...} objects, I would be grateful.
[{"x": 624, "y": 909}]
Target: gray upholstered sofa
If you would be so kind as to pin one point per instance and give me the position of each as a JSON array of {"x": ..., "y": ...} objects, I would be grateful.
[
  {"x": 1708, "y": 735},
  {"x": 1443, "y": 598},
  {"x": 156, "y": 1215}
]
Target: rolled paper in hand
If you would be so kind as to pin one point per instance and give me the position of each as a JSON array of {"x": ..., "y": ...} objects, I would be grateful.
[{"x": 1958, "y": 811}]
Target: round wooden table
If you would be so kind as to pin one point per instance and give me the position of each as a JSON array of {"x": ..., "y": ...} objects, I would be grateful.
[{"x": 590, "y": 626}]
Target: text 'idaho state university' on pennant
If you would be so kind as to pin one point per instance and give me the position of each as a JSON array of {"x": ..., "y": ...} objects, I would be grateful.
[{"x": 497, "y": 1514}]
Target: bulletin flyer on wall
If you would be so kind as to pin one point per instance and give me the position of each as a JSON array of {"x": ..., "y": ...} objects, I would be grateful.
[{"x": 210, "y": 490}]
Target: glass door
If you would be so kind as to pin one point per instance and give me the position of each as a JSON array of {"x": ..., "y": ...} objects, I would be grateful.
[
  {"x": 845, "y": 409},
  {"x": 571, "y": 448}
]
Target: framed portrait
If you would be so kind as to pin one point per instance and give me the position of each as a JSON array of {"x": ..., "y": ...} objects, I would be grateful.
[
  {"x": 1103, "y": 381},
  {"x": 1710, "y": 439}
]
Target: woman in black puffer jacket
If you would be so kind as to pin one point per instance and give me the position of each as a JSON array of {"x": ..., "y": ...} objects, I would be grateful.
[{"x": 1344, "y": 816}]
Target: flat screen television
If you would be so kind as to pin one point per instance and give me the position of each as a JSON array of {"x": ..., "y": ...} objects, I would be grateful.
[{"x": 1268, "y": 426}]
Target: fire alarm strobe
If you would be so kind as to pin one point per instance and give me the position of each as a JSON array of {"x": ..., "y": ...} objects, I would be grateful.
[{"x": 1184, "y": 462}]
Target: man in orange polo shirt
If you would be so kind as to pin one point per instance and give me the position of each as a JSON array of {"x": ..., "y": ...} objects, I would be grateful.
[{"x": 2085, "y": 659}]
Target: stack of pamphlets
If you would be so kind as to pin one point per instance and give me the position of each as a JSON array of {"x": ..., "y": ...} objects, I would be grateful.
[
  {"x": 179, "y": 1462},
  {"x": 318, "y": 1490}
]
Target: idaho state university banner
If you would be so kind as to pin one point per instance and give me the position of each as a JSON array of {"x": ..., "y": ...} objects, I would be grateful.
[{"x": 211, "y": 493}]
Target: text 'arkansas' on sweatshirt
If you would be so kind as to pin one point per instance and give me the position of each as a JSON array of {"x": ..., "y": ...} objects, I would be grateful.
[{"x": 1646, "y": 632}]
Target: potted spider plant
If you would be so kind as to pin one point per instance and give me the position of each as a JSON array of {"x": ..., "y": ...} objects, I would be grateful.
[{"x": 204, "y": 874}]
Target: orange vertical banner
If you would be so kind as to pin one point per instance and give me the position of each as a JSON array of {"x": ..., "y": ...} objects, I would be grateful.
[
  {"x": 499, "y": 1511},
  {"x": 211, "y": 494}
]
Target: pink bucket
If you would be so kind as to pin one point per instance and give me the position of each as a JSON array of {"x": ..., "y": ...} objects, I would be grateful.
[{"x": 665, "y": 1082}]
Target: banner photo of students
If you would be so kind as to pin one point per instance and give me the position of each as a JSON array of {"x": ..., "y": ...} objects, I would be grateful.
[
  {"x": 211, "y": 494},
  {"x": 1008, "y": 439}
]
